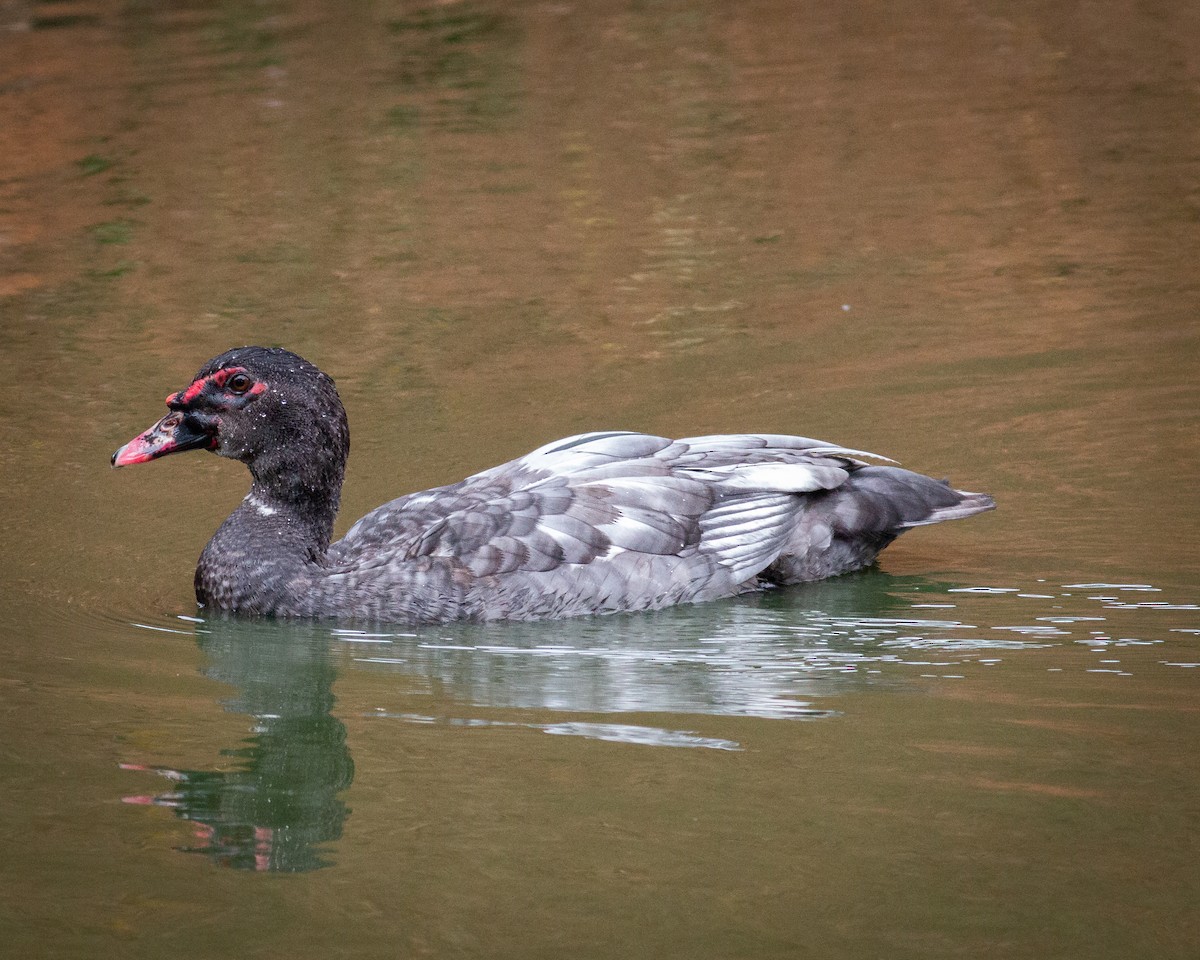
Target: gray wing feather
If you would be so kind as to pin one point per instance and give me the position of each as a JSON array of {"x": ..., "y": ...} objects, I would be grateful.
[
  {"x": 669, "y": 512},
  {"x": 765, "y": 448},
  {"x": 626, "y": 521},
  {"x": 747, "y": 533}
]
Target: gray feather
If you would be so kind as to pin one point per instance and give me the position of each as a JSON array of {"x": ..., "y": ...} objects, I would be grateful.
[{"x": 626, "y": 521}]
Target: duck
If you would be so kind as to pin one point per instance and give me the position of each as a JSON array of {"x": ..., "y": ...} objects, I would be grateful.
[{"x": 599, "y": 523}]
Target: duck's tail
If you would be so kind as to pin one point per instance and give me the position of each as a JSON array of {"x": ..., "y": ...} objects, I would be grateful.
[{"x": 844, "y": 529}]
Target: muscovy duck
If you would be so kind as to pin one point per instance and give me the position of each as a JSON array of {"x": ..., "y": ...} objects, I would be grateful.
[{"x": 598, "y": 523}]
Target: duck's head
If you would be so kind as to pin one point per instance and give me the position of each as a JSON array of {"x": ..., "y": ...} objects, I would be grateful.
[{"x": 265, "y": 406}]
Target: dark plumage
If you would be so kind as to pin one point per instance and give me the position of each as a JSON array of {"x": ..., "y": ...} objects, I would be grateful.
[{"x": 598, "y": 523}]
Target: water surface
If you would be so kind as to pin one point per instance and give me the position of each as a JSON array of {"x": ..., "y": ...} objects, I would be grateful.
[{"x": 961, "y": 236}]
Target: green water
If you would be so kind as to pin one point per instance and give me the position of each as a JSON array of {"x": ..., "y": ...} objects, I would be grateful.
[{"x": 964, "y": 237}]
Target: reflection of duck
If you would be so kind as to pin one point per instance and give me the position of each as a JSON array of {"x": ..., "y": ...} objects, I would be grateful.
[
  {"x": 598, "y": 523},
  {"x": 284, "y": 801},
  {"x": 782, "y": 656},
  {"x": 779, "y": 655}
]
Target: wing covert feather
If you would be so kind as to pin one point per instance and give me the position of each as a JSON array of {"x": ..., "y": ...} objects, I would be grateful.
[{"x": 732, "y": 499}]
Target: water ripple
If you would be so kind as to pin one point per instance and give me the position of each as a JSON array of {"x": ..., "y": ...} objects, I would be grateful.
[{"x": 612, "y": 732}]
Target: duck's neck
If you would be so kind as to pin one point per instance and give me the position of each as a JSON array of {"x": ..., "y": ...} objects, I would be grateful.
[
  {"x": 306, "y": 492},
  {"x": 275, "y": 541}
]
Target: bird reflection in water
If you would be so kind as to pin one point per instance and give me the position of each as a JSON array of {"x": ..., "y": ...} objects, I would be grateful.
[
  {"x": 282, "y": 805},
  {"x": 767, "y": 656}
]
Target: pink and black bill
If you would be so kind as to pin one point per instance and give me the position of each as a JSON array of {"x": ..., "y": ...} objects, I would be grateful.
[{"x": 172, "y": 434}]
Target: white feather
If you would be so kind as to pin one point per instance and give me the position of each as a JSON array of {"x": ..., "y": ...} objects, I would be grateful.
[
  {"x": 747, "y": 533},
  {"x": 773, "y": 477},
  {"x": 261, "y": 508}
]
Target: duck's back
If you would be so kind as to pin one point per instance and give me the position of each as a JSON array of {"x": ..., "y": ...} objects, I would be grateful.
[{"x": 605, "y": 522}]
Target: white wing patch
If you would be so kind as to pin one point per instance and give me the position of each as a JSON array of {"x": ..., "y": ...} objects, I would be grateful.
[
  {"x": 747, "y": 533},
  {"x": 644, "y": 531},
  {"x": 574, "y": 454},
  {"x": 750, "y": 526},
  {"x": 740, "y": 444},
  {"x": 773, "y": 477}
]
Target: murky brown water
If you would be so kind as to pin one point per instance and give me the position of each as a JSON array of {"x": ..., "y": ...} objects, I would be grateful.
[{"x": 964, "y": 235}]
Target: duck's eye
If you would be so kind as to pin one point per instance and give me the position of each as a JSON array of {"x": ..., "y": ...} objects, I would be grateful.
[{"x": 239, "y": 383}]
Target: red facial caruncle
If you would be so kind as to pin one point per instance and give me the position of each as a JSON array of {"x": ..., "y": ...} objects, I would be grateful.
[
  {"x": 194, "y": 419},
  {"x": 234, "y": 380}
]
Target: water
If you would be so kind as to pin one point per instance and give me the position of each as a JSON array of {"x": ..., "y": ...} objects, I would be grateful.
[{"x": 964, "y": 238}]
